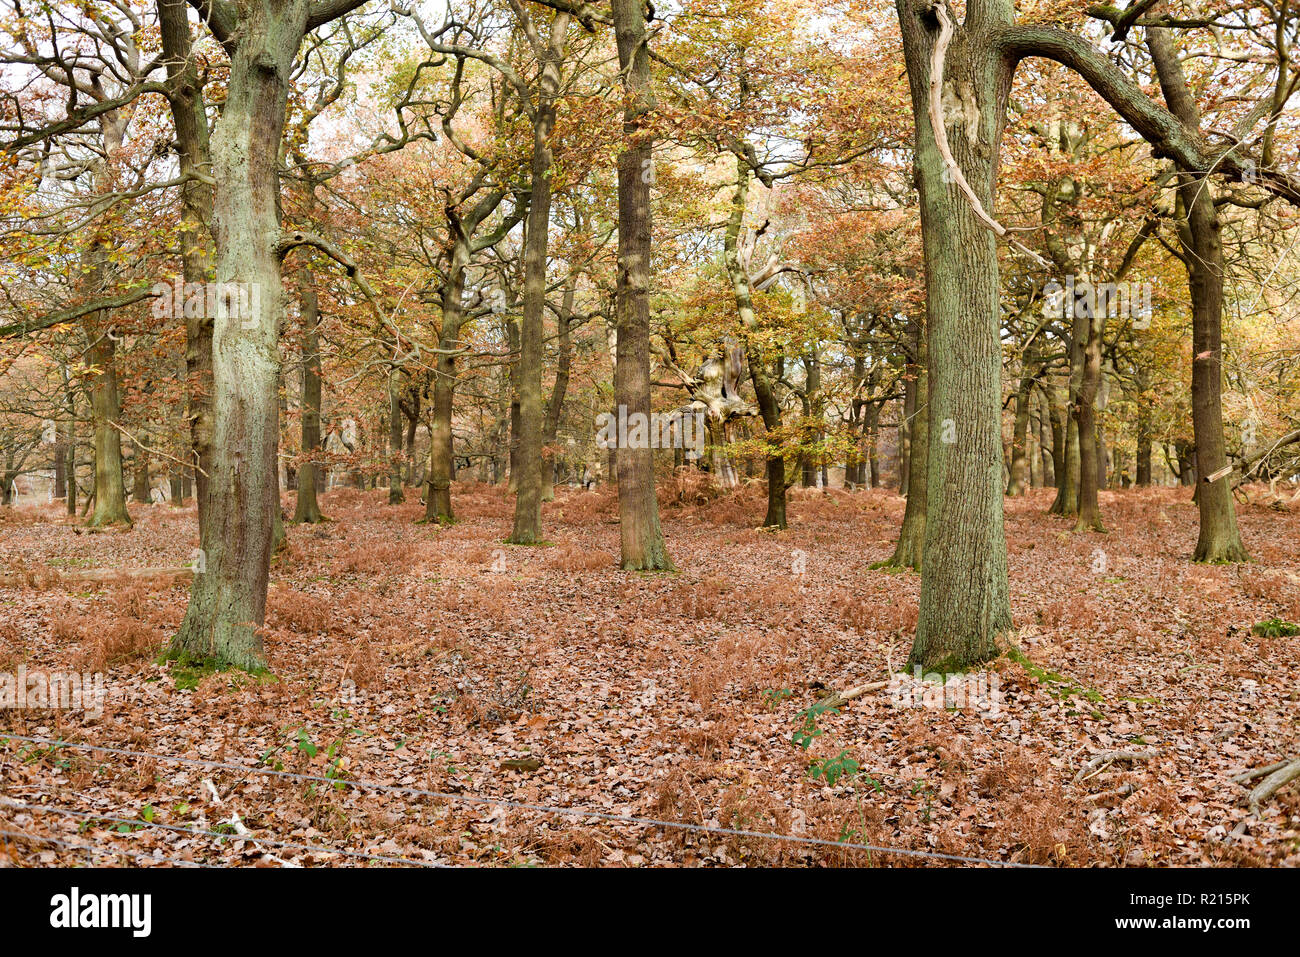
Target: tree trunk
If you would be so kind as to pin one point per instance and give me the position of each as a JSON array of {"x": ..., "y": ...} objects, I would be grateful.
[
  {"x": 307, "y": 509},
  {"x": 911, "y": 401},
  {"x": 395, "y": 494},
  {"x": 1143, "y": 433},
  {"x": 564, "y": 359},
  {"x": 1085, "y": 412},
  {"x": 70, "y": 444},
  {"x": 189, "y": 116},
  {"x": 764, "y": 388},
  {"x": 641, "y": 539},
  {"x": 909, "y": 551},
  {"x": 1020, "y": 428},
  {"x": 1199, "y": 230},
  {"x": 228, "y": 600},
  {"x": 527, "y": 528},
  {"x": 965, "y": 605},
  {"x": 140, "y": 480},
  {"x": 106, "y": 412}
]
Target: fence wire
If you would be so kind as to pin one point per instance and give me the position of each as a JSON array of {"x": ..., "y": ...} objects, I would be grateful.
[{"x": 580, "y": 813}]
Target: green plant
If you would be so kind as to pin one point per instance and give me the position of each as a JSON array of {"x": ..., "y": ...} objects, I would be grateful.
[
  {"x": 1275, "y": 628},
  {"x": 808, "y": 729},
  {"x": 774, "y": 697},
  {"x": 832, "y": 769}
]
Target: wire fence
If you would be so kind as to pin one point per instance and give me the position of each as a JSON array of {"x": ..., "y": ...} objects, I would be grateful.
[{"x": 584, "y": 814}]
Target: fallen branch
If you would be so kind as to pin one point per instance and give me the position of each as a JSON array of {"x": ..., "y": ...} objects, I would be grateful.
[
  {"x": 1246, "y": 777},
  {"x": 1107, "y": 758},
  {"x": 844, "y": 697},
  {"x": 1123, "y": 790},
  {"x": 1278, "y": 776}
]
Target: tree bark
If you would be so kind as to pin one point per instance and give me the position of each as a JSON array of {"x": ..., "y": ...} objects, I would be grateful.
[
  {"x": 965, "y": 605},
  {"x": 228, "y": 600},
  {"x": 909, "y": 551},
  {"x": 527, "y": 528},
  {"x": 641, "y": 540},
  {"x": 189, "y": 116},
  {"x": 1020, "y": 427},
  {"x": 1085, "y": 412},
  {"x": 395, "y": 494},
  {"x": 307, "y": 509},
  {"x": 1200, "y": 234}
]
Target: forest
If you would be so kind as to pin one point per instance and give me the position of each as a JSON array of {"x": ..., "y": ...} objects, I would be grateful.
[{"x": 618, "y": 434}]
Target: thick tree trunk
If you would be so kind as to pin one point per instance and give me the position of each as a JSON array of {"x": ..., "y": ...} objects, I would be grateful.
[
  {"x": 527, "y": 480},
  {"x": 965, "y": 605},
  {"x": 641, "y": 539},
  {"x": 228, "y": 600},
  {"x": 527, "y": 528},
  {"x": 106, "y": 412},
  {"x": 437, "y": 500}
]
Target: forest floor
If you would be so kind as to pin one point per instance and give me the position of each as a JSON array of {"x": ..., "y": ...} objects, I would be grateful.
[{"x": 425, "y": 658}]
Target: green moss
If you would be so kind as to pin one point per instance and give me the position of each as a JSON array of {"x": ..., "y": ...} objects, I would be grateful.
[
  {"x": 187, "y": 671},
  {"x": 952, "y": 665},
  {"x": 889, "y": 566},
  {"x": 1054, "y": 683}
]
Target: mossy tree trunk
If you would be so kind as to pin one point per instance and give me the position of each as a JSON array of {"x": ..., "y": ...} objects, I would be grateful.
[{"x": 228, "y": 598}]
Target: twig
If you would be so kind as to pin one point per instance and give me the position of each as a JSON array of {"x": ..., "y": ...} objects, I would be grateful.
[
  {"x": 1107, "y": 758},
  {"x": 152, "y": 451}
]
